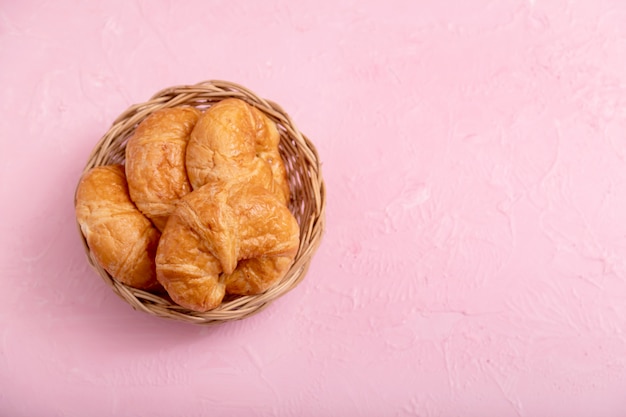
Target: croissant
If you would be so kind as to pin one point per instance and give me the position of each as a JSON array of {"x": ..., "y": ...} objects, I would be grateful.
[
  {"x": 155, "y": 161},
  {"x": 122, "y": 240},
  {"x": 233, "y": 139},
  {"x": 232, "y": 236}
]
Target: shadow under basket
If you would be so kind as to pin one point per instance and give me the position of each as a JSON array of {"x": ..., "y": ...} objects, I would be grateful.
[{"x": 305, "y": 180}]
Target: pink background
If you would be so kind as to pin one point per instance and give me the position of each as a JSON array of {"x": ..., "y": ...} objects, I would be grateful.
[{"x": 474, "y": 262}]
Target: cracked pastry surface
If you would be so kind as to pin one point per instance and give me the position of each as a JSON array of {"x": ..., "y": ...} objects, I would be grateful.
[
  {"x": 121, "y": 238},
  {"x": 155, "y": 161}
]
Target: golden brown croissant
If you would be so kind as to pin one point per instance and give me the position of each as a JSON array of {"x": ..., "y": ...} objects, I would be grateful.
[
  {"x": 155, "y": 161},
  {"x": 227, "y": 236},
  {"x": 123, "y": 240},
  {"x": 234, "y": 140}
]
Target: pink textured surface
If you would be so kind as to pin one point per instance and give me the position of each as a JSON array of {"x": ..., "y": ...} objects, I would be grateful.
[{"x": 474, "y": 262}]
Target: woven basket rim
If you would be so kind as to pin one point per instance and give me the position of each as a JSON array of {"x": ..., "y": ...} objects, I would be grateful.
[{"x": 308, "y": 201}]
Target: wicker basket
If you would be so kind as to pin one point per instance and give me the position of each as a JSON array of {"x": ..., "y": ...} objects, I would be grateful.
[{"x": 305, "y": 179}]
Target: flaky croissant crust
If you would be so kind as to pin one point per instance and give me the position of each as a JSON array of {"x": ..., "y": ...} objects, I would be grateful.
[
  {"x": 122, "y": 239},
  {"x": 226, "y": 237},
  {"x": 155, "y": 161}
]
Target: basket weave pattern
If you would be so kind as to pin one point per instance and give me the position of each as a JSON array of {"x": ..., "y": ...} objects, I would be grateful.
[{"x": 307, "y": 196}]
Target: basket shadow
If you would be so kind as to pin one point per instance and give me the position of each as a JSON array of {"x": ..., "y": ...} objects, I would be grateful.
[{"x": 83, "y": 292}]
